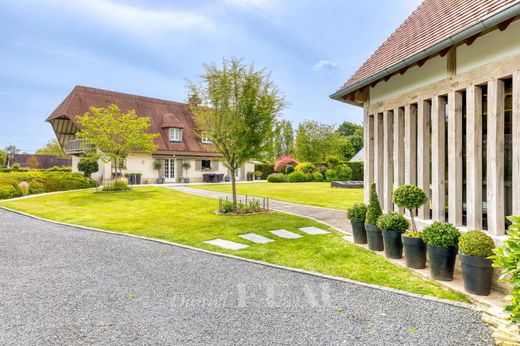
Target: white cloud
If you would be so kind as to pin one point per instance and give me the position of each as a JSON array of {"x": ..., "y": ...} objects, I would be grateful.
[
  {"x": 325, "y": 65},
  {"x": 252, "y": 4},
  {"x": 139, "y": 19}
]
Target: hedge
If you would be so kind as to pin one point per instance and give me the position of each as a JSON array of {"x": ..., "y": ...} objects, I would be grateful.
[
  {"x": 265, "y": 169},
  {"x": 41, "y": 181},
  {"x": 355, "y": 166}
]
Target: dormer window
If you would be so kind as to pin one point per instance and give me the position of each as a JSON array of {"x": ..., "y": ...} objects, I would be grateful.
[
  {"x": 175, "y": 134},
  {"x": 205, "y": 139}
]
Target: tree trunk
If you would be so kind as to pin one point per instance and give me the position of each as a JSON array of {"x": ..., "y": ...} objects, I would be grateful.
[{"x": 234, "y": 187}]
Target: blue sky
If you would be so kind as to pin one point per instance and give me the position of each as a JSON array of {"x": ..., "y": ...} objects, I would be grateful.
[{"x": 154, "y": 47}]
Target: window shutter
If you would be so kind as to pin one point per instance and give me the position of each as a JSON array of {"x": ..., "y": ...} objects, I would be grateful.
[
  {"x": 198, "y": 165},
  {"x": 214, "y": 165}
]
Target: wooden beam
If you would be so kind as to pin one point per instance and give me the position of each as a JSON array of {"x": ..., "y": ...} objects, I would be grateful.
[
  {"x": 379, "y": 155},
  {"x": 388, "y": 118},
  {"x": 474, "y": 157},
  {"x": 516, "y": 143},
  {"x": 368, "y": 162},
  {"x": 455, "y": 158},
  {"x": 503, "y": 26},
  {"x": 438, "y": 158},
  {"x": 451, "y": 62},
  {"x": 423, "y": 154},
  {"x": 398, "y": 149},
  {"x": 410, "y": 144},
  {"x": 469, "y": 41}
]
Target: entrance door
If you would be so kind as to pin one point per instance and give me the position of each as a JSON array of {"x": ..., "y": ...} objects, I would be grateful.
[{"x": 169, "y": 170}]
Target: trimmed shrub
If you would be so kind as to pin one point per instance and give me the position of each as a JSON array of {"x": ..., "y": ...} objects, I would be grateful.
[
  {"x": 374, "y": 208},
  {"x": 476, "y": 243},
  {"x": 357, "y": 213},
  {"x": 343, "y": 173},
  {"x": 330, "y": 175},
  {"x": 317, "y": 176},
  {"x": 277, "y": 178},
  {"x": 357, "y": 170},
  {"x": 410, "y": 197},
  {"x": 297, "y": 177},
  {"x": 306, "y": 167},
  {"x": 88, "y": 166},
  {"x": 284, "y": 161},
  {"x": 265, "y": 170},
  {"x": 392, "y": 221},
  {"x": 441, "y": 234},
  {"x": 36, "y": 187},
  {"x": 289, "y": 169}
]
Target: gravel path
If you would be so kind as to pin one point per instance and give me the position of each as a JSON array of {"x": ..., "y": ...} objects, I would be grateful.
[
  {"x": 334, "y": 217},
  {"x": 67, "y": 286}
]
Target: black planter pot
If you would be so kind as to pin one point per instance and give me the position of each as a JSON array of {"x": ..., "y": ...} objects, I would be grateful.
[
  {"x": 358, "y": 230},
  {"x": 374, "y": 237},
  {"x": 442, "y": 262},
  {"x": 414, "y": 252},
  {"x": 477, "y": 273},
  {"x": 393, "y": 244}
]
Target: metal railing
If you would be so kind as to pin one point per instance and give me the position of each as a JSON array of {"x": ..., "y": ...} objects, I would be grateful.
[{"x": 78, "y": 146}]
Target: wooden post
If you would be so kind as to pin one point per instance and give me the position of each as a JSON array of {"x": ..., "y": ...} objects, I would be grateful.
[
  {"x": 474, "y": 157},
  {"x": 410, "y": 144},
  {"x": 495, "y": 157},
  {"x": 423, "y": 155},
  {"x": 398, "y": 149},
  {"x": 438, "y": 158},
  {"x": 455, "y": 158},
  {"x": 516, "y": 143},
  {"x": 368, "y": 160},
  {"x": 378, "y": 155},
  {"x": 388, "y": 161}
]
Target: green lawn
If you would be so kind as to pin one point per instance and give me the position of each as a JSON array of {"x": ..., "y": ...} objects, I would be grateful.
[
  {"x": 317, "y": 194},
  {"x": 171, "y": 215}
]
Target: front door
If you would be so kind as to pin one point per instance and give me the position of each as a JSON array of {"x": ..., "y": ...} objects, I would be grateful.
[{"x": 169, "y": 170}]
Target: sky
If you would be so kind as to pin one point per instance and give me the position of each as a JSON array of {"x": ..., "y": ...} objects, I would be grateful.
[{"x": 155, "y": 47}]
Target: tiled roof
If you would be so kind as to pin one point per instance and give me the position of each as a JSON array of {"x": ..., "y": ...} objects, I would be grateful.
[
  {"x": 163, "y": 114},
  {"x": 432, "y": 22}
]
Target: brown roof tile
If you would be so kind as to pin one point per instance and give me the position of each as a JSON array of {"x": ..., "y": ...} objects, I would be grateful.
[
  {"x": 163, "y": 114},
  {"x": 432, "y": 22}
]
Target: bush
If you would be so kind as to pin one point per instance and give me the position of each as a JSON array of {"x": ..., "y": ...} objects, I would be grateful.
[
  {"x": 410, "y": 197},
  {"x": 36, "y": 187},
  {"x": 60, "y": 169},
  {"x": 277, "y": 178},
  {"x": 357, "y": 170},
  {"x": 357, "y": 212},
  {"x": 265, "y": 170},
  {"x": 507, "y": 256},
  {"x": 227, "y": 207},
  {"x": 330, "y": 175},
  {"x": 392, "y": 221},
  {"x": 374, "y": 208},
  {"x": 284, "y": 161},
  {"x": 9, "y": 191},
  {"x": 343, "y": 173},
  {"x": 441, "y": 234},
  {"x": 317, "y": 176},
  {"x": 297, "y": 177},
  {"x": 88, "y": 166},
  {"x": 289, "y": 169},
  {"x": 476, "y": 243},
  {"x": 332, "y": 161},
  {"x": 306, "y": 167},
  {"x": 116, "y": 185}
]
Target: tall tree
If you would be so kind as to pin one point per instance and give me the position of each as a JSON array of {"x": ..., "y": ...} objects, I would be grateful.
[
  {"x": 283, "y": 138},
  {"x": 52, "y": 148},
  {"x": 315, "y": 140},
  {"x": 348, "y": 128},
  {"x": 3, "y": 158},
  {"x": 11, "y": 151},
  {"x": 115, "y": 134},
  {"x": 236, "y": 107}
]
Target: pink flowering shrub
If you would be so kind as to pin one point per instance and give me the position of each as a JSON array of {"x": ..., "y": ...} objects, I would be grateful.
[{"x": 284, "y": 161}]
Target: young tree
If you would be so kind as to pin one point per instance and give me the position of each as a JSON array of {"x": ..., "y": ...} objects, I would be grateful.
[
  {"x": 88, "y": 165},
  {"x": 236, "y": 108},
  {"x": 283, "y": 138},
  {"x": 114, "y": 134},
  {"x": 11, "y": 151},
  {"x": 3, "y": 158},
  {"x": 52, "y": 148}
]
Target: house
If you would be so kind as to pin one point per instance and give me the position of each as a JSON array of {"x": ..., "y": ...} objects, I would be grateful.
[
  {"x": 441, "y": 101},
  {"x": 177, "y": 144},
  {"x": 38, "y": 161}
]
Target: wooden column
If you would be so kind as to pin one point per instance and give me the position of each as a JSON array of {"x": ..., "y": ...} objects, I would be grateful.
[
  {"x": 495, "y": 157},
  {"x": 455, "y": 158},
  {"x": 368, "y": 160},
  {"x": 379, "y": 155},
  {"x": 423, "y": 154},
  {"x": 516, "y": 143},
  {"x": 410, "y": 144},
  {"x": 388, "y": 118},
  {"x": 398, "y": 149},
  {"x": 438, "y": 158},
  {"x": 474, "y": 157}
]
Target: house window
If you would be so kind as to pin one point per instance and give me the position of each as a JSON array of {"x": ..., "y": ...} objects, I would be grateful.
[
  {"x": 206, "y": 165},
  {"x": 205, "y": 139},
  {"x": 175, "y": 135}
]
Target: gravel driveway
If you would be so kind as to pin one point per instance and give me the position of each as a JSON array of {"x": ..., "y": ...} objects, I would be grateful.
[{"x": 62, "y": 285}]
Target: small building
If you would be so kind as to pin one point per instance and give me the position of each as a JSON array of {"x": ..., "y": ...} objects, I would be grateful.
[
  {"x": 177, "y": 144},
  {"x": 441, "y": 100},
  {"x": 38, "y": 161}
]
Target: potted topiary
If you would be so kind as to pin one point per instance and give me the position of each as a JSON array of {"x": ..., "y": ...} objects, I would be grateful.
[
  {"x": 411, "y": 197},
  {"x": 357, "y": 215},
  {"x": 477, "y": 270},
  {"x": 442, "y": 240},
  {"x": 374, "y": 236},
  {"x": 186, "y": 165},
  {"x": 392, "y": 225}
]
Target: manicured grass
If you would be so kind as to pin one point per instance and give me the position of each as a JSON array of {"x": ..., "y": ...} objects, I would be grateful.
[
  {"x": 317, "y": 194},
  {"x": 174, "y": 216}
]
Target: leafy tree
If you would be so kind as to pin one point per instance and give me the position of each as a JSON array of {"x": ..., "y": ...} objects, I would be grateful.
[
  {"x": 115, "y": 134},
  {"x": 88, "y": 165},
  {"x": 3, "y": 158},
  {"x": 348, "y": 128},
  {"x": 357, "y": 142},
  {"x": 315, "y": 140},
  {"x": 346, "y": 149},
  {"x": 52, "y": 148},
  {"x": 237, "y": 108},
  {"x": 32, "y": 162},
  {"x": 283, "y": 138},
  {"x": 11, "y": 151}
]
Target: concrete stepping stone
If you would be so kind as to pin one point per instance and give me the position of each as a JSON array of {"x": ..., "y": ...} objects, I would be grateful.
[
  {"x": 256, "y": 238},
  {"x": 313, "y": 230},
  {"x": 226, "y": 244},
  {"x": 282, "y": 233}
]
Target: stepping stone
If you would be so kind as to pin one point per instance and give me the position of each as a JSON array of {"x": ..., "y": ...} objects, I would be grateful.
[
  {"x": 313, "y": 230},
  {"x": 282, "y": 233},
  {"x": 227, "y": 244},
  {"x": 256, "y": 238}
]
